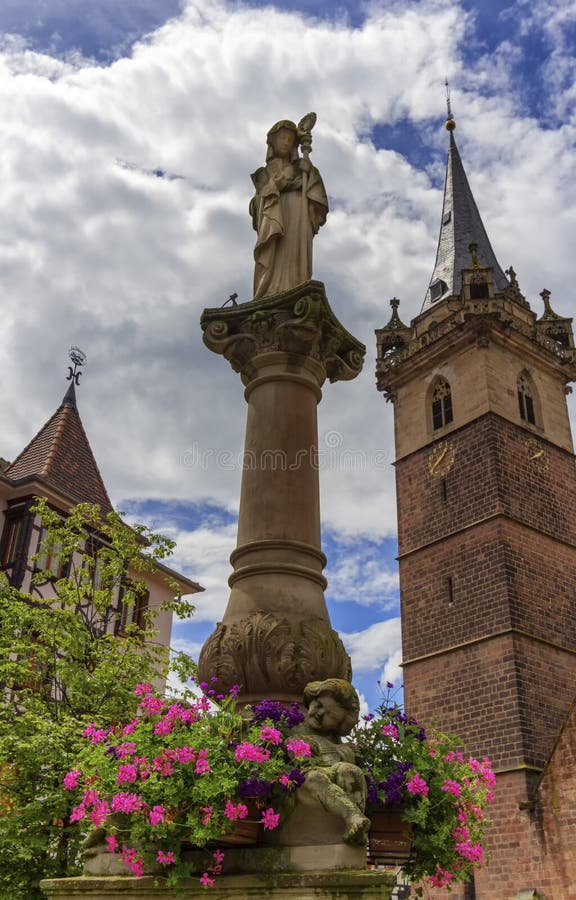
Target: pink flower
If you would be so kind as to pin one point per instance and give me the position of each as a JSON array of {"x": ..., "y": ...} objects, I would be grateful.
[
  {"x": 270, "y": 819},
  {"x": 207, "y": 813},
  {"x": 442, "y": 878},
  {"x": 461, "y": 834},
  {"x": 472, "y": 852},
  {"x": 126, "y": 749},
  {"x": 298, "y": 748},
  {"x": 127, "y": 803},
  {"x": 165, "y": 859},
  {"x": 390, "y": 731},
  {"x": 218, "y": 857},
  {"x": 141, "y": 689},
  {"x": 112, "y": 842},
  {"x": 100, "y": 813},
  {"x": 90, "y": 798},
  {"x": 270, "y": 734},
  {"x": 163, "y": 766},
  {"x": 202, "y": 767},
  {"x": 96, "y": 735},
  {"x": 127, "y": 772},
  {"x": 165, "y": 725},
  {"x": 417, "y": 785},
  {"x": 130, "y": 727},
  {"x": 156, "y": 815},
  {"x": 452, "y": 787},
  {"x": 130, "y": 857},
  {"x": 77, "y": 813},
  {"x": 152, "y": 706},
  {"x": 251, "y": 752},
  {"x": 235, "y": 812},
  {"x": 206, "y": 881},
  {"x": 185, "y": 755},
  {"x": 71, "y": 779}
]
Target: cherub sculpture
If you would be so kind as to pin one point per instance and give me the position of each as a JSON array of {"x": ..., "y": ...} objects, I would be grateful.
[{"x": 336, "y": 783}]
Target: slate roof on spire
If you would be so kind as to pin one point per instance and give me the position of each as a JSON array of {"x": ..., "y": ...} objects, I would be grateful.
[
  {"x": 461, "y": 226},
  {"x": 61, "y": 455}
]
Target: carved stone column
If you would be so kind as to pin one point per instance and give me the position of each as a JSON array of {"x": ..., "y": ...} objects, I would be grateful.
[{"x": 275, "y": 635}]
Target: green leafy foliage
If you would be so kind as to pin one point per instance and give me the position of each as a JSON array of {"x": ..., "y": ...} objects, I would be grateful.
[
  {"x": 443, "y": 792},
  {"x": 65, "y": 661}
]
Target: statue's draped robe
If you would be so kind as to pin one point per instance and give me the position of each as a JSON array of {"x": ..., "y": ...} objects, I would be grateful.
[{"x": 283, "y": 258}]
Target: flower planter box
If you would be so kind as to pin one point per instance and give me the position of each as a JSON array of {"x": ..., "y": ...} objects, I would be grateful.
[
  {"x": 389, "y": 838},
  {"x": 243, "y": 833}
]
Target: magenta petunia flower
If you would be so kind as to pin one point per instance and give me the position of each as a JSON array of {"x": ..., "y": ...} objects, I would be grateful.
[
  {"x": 298, "y": 747},
  {"x": 72, "y": 779},
  {"x": 156, "y": 815},
  {"x": 270, "y": 819},
  {"x": 417, "y": 785}
]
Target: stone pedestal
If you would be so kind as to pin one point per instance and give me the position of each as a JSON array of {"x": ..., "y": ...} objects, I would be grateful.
[
  {"x": 283, "y": 886},
  {"x": 275, "y": 635}
]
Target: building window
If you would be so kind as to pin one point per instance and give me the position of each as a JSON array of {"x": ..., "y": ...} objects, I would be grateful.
[
  {"x": 11, "y": 540},
  {"x": 526, "y": 400},
  {"x": 48, "y": 558},
  {"x": 441, "y": 405},
  {"x": 479, "y": 290},
  {"x": 437, "y": 290},
  {"x": 135, "y": 613}
]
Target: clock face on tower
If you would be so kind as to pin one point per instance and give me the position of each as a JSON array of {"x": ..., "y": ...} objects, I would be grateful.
[
  {"x": 441, "y": 458},
  {"x": 536, "y": 455}
]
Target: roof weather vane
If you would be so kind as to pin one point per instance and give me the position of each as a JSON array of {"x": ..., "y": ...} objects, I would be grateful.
[{"x": 79, "y": 359}]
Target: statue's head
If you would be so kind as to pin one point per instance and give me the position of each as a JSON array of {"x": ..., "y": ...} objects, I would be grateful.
[
  {"x": 282, "y": 140},
  {"x": 341, "y": 693}
]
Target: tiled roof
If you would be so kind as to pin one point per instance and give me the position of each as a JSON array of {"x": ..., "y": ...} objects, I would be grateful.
[
  {"x": 61, "y": 454},
  {"x": 461, "y": 226}
]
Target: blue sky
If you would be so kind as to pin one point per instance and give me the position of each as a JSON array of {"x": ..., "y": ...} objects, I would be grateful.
[{"x": 97, "y": 250}]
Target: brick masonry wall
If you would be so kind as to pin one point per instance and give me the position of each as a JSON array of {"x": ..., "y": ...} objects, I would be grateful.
[
  {"x": 491, "y": 473},
  {"x": 502, "y": 528},
  {"x": 503, "y": 575}
]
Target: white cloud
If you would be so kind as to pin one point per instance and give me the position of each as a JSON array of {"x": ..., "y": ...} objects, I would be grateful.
[
  {"x": 358, "y": 572},
  {"x": 371, "y": 648},
  {"x": 122, "y": 264}
]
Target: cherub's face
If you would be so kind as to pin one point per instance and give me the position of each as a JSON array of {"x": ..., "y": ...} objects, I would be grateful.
[
  {"x": 325, "y": 714},
  {"x": 283, "y": 143}
]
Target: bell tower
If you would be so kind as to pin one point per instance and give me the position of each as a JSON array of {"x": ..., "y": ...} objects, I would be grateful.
[{"x": 486, "y": 486}]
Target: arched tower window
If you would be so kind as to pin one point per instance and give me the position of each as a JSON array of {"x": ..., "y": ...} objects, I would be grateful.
[
  {"x": 526, "y": 399},
  {"x": 441, "y": 405}
]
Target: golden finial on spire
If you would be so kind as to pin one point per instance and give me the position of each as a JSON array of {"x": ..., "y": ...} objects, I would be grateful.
[{"x": 450, "y": 123}]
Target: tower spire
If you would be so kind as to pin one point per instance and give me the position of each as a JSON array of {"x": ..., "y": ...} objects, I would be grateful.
[{"x": 461, "y": 226}]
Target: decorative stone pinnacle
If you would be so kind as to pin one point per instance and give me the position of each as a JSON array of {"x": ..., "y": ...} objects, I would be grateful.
[
  {"x": 545, "y": 294},
  {"x": 473, "y": 248},
  {"x": 394, "y": 303},
  {"x": 512, "y": 276}
]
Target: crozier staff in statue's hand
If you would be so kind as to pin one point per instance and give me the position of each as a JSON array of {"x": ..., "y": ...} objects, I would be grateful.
[
  {"x": 335, "y": 783},
  {"x": 288, "y": 208}
]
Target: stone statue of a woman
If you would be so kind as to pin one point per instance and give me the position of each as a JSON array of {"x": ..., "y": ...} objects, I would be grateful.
[{"x": 288, "y": 208}]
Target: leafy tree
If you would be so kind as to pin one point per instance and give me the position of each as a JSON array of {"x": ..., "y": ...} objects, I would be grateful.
[{"x": 67, "y": 660}]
